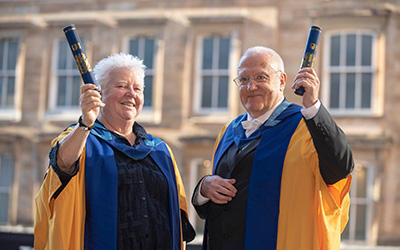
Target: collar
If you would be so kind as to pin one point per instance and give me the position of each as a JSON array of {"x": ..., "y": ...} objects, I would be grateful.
[
  {"x": 137, "y": 129},
  {"x": 261, "y": 119}
]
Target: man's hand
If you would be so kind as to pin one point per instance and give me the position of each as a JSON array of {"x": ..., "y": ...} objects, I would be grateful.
[
  {"x": 308, "y": 79},
  {"x": 217, "y": 189}
]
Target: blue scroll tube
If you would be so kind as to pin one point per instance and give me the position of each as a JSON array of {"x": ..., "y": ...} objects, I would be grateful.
[
  {"x": 310, "y": 52},
  {"x": 79, "y": 54}
]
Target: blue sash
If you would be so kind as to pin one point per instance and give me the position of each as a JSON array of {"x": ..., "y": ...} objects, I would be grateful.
[
  {"x": 265, "y": 181},
  {"x": 101, "y": 183}
]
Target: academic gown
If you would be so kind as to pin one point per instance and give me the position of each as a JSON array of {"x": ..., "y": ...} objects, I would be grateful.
[
  {"x": 289, "y": 205},
  {"x": 84, "y": 213}
]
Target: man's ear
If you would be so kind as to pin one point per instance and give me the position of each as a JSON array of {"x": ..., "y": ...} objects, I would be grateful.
[{"x": 282, "y": 78}]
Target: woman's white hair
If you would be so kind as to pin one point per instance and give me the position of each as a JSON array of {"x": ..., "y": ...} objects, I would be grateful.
[
  {"x": 118, "y": 60},
  {"x": 264, "y": 50}
]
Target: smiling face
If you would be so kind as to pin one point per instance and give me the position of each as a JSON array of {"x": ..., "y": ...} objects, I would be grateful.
[
  {"x": 123, "y": 96},
  {"x": 258, "y": 99}
]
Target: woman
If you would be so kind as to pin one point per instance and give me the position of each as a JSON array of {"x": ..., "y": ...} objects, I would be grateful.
[{"x": 110, "y": 185}]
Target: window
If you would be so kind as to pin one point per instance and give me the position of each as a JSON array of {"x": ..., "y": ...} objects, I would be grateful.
[
  {"x": 213, "y": 74},
  {"x": 8, "y": 63},
  {"x": 6, "y": 180},
  {"x": 68, "y": 76},
  {"x": 144, "y": 48},
  {"x": 67, "y": 79},
  {"x": 351, "y": 72},
  {"x": 357, "y": 227}
]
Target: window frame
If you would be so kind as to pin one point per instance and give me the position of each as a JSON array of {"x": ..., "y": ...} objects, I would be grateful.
[
  {"x": 8, "y": 189},
  {"x": 149, "y": 71},
  {"x": 13, "y": 113},
  {"x": 54, "y": 112},
  {"x": 213, "y": 72},
  {"x": 367, "y": 201},
  {"x": 342, "y": 69},
  {"x": 150, "y": 115}
]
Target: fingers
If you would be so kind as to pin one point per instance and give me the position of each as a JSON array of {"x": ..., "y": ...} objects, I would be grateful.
[
  {"x": 90, "y": 102},
  {"x": 90, "y": 86},
  {"x": 218, "y": 190},
  {"x": 305, "y": 78},
  {"x": 308, "y": 79}
]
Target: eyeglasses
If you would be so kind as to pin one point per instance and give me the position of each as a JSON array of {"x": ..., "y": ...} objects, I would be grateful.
[{"x": 259, "y": 80}]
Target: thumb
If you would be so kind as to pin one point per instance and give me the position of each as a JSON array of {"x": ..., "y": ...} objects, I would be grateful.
[{"x": 232, "y": 181}]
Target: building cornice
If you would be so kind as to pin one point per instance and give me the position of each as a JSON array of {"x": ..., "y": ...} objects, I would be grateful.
[{"x": 352, "y": 9}]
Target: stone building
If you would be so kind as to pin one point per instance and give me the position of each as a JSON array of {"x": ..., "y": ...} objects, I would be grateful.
[{"x": 191, "y": 49}]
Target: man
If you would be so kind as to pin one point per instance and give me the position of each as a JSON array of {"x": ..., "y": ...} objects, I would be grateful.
[{"x": 281, "y": 173}]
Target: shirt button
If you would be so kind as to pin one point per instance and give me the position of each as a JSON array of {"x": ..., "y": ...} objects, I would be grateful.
[
  {"x": 143, "y": 198},
  {"x": 226, "y": 236},
  {"x": 145, "y": 216},
  {"x": 140, "y": 182}
]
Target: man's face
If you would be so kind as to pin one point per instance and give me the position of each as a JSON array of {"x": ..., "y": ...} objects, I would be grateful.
[
  {"x": 258, "y": 99},
  {"x": 123, "y": 96}
]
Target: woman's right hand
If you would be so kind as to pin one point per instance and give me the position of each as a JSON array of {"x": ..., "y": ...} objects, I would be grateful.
[{"x": 90, "y": 103}]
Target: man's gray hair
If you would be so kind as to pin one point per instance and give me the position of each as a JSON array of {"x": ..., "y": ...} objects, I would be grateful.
[{"x": 264, "y": 50}]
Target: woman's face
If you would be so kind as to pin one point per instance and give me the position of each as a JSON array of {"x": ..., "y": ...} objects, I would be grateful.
[{"x": 123, "y": 96}]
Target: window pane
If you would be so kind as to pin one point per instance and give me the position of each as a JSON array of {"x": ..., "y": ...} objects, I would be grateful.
[
  {"x": 2, "y": 99},
  {"x": 350, "y": 90},
  {"x": 148, "y": 91},
  {"x": 366, "y": 86},
  {"x": 6, "y": 172},
  {"x": 62, "y": 90},
  {"x": 335, "y": 50},
  {"x": 10, "y": 91},
  {"x": 346, "y": 233},
  {"x": 223, "y": 92},
  {"x": 76, "y": 92},
  {"x": 361, "y": 175},
  {"x": 6, "y": 179},
  {"x": 149, "y": 53},
  {"x": 4, "y": 199},
  {"x": 207, "y": 53},
  {"x": 366, "y": 50},
  {"x": 2, "y": 51},
  {"x": 361, "y": 215},
  {"x": 203, "y": 169},
  {"x": 134, "y": 47},
  {"x": 335, "y": 90},
  {"x": 224, "y": 53},
  {"x": 351, "y": 50},
  {"x": 214, "y": 73},
  {"x": 144, "y": 48},
  {"x": 62, "y": 55},
  {"x": 207, "y": 92},
  {"x": 12, "y": 55}
]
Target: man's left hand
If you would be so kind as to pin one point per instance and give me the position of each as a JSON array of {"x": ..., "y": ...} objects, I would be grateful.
[{"x": 308, "y": 79}]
